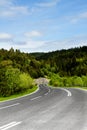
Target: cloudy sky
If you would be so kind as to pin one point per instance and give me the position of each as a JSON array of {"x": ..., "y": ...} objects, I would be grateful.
[{"x": 43, "y": 25}]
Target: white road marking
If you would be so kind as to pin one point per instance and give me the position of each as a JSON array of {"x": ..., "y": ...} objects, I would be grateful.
[
  {"x": 2, "y": 127},
  {"x": 21, "y": 96},
  {"x": 9, "y": 106},
  {"x": 49, "y": 91},
  {"x": 69, "y": 93},
  {"x": 46, "y": 94},
  {"x": 10, "y": 125},
  {"x": 35, "y": 98},
  {"x": 50, "y": 109}
]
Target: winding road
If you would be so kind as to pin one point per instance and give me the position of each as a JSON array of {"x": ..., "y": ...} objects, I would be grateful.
[{"x": 47, "y": 109}]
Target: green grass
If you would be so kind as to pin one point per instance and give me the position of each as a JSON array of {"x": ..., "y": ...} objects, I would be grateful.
[
  {"x": 83, "y": 88},
  {"x": 29, "y": 91}
]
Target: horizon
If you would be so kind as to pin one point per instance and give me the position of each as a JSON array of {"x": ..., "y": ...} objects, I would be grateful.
[
  {"x": 43, "y": 26},
  {"x": 43, "y": 51}
]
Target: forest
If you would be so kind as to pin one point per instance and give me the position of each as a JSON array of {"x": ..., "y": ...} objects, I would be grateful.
[{"x": 64, "y": 68}]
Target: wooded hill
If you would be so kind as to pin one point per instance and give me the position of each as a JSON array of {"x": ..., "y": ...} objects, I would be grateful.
[
  {"x": 65, "y": 62},
  {"x": 18, "y": 69}
]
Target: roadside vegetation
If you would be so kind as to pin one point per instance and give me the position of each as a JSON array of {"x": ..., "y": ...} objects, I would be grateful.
[
  {"x": 65, "y": 68},
  {"x": 74, "y": 81},
  {"x": 13, "y": 81},
  {"x": 18, "y": 95}
]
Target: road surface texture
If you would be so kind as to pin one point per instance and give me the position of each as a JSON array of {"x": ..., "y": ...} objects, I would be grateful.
[{"x": 47, "y": 109}]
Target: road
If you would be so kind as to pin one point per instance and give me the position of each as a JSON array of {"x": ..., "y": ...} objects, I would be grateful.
[{"x": 47, "y": 109}]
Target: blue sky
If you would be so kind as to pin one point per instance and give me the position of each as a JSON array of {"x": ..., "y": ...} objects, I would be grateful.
[{"x": 43, "y": 25}]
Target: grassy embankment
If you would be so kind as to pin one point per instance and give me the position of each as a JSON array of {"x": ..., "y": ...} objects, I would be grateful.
[
  {"x": 14, "y": 83},
  {"x": 29, "y": 91}
]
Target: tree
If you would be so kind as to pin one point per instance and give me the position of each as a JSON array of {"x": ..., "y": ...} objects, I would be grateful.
[
  {"x": 12, "y": 79},
  {"x": 84, "y": 78},
  {"x": 9, "y": 81}
]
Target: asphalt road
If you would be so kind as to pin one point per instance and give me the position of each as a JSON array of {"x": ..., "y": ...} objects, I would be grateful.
[{"x": 47, "y": 109}]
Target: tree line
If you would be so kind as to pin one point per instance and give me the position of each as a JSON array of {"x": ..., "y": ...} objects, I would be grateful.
[
  {"x": 16, "y": 72},
  {"x": 65, "y": 62},
  {"x": 18, "y": 69}
]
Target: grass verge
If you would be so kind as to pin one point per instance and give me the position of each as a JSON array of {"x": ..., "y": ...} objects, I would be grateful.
[
  {"x": 83, "y": 88},
  {"x": 29, "y": 91}
]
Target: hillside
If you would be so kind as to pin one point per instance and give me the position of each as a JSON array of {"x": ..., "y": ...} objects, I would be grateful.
[
  {"x": 64, "y": 68},
  {"x": 65, "y": 62}
]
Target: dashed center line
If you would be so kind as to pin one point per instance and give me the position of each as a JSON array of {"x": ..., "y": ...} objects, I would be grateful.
[
  {"x": 35, "y": 98},
  {"x": 46, "y": 94},
  {"x": 10, "y": 125},
  {"x": 9, "y": 106},
  {"x": 49, "y": 91}
]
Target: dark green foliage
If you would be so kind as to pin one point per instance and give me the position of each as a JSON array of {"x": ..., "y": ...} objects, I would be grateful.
[
  {"x": 16, "y": 68},
  {"x": 23, "y": 61},
  {"x": 37, "y": 54},
  {"x": 66, "y": 62},
  {"x": 13, "y": 64}
]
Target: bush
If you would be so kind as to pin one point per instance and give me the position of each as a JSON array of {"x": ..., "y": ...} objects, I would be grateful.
[
  {"x": 26, "y": 82},
  {"x": 13, "y": 81},
  {"x": 77, "y": 81},
  {"x": 56, "y": 80},
  {"x": 84, "y": 78}
]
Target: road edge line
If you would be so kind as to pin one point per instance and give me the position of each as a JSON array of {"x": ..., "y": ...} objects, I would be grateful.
[
  {"x": 66, "y": 90},
  {"x": 21, "y": 96}
]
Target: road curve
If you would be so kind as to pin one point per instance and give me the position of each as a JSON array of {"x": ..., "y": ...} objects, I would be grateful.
[{"x": 47, "y": 109}]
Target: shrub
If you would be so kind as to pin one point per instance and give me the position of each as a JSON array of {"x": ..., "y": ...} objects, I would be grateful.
[
  {"x": 77, "y": 81},
  {"x": 26, "y": 81},
  {"x": 84, "y": 78},
  {"x": 12, "y": 81}
]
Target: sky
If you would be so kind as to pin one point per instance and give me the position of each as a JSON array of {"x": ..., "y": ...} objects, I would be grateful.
[{"x": 43, "y": 25}]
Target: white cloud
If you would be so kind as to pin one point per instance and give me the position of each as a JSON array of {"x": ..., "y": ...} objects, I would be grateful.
[
  {"x": 48, "y": 4},
  {"x": 27, "y": 45},
  {"x": 19, "y": 43},
  {"x": 5, "y": 37},
  {"x": 66, "y": 44},
  {"x": 5, "y": 2},
  {"x": 19, "y": 10},
  {"x": 83, "y": 15},
  {"x": 79, "y": 17},
  {"x": 7, "y": 41},
  {"x": 34, "y": 44},
  {"x": 30, "y": 44},
  {"x": 44, "y": 46},
  {"x": 9, "y": 9},
  {"x": 33, "y": 33}
]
